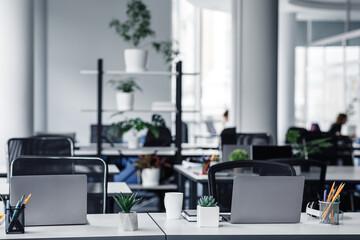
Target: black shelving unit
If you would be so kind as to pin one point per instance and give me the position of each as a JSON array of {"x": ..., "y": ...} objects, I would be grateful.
[{"x": 178, "y": 120}]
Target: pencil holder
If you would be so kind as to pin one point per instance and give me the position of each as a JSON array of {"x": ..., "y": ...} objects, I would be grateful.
[
  {"x": 329, "y": 212},
  {"x": 15, "y": 220}
]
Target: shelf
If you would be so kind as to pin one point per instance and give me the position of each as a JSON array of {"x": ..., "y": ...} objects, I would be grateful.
[{"x": 145, "y": 73}]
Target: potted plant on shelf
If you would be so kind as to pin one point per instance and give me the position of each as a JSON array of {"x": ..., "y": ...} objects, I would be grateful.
[
  {"x": 125, "y": 93},
  {"x": 128, "y": 219},
  {"x": 207, "y": 212},
  {"x": 134, "y": 30},
  {"x": 167, "y": 49},
  {"x": 236, "y": 155},
  {"x": 150, "y": 169},
  {"x": 135, "y": 126}
]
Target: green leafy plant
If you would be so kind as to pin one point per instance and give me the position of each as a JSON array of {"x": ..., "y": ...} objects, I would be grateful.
[
  {"x": 207, "y": 201},
  {"x": 136, "y": 125},
  {"x": 137, "y": 25},
  {"x": 302, "y": 150},
  {"x": 158, "y": 120},
  {"x": 168, "y": 50},
  {"x": 126, "y": 202},
  {"x": 127, "y": 85},
  {"x": 151, "y": 161},
  {"x": 239, "y": 154}
]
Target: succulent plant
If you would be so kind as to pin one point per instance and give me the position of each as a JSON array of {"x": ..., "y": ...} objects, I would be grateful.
[
  {"x": 207, "y": 201},
  {"x": 126, "y": 202}
]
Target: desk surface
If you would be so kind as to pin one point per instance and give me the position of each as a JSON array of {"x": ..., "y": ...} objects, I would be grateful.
[
  {"x": 100, "y": 226},
  {"x": 113, "y": 187},
  {"x": 308, "y": 228},
  {"x": 333, "y": 173}
]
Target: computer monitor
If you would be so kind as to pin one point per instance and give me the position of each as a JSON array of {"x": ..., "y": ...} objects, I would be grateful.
[{"x": 271, "y": 152}]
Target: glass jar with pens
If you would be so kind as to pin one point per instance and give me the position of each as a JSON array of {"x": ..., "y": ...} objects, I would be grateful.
[{"x": 329, "y": 207}]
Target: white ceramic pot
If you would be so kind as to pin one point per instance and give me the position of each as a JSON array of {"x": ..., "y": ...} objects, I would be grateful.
[
  {"x": 135, "y": 60},
  {"x": 173, "y": 202},
  {"x": 128, "y": 221},
  {"x": 150, "y": 177},
  {"x": 133, "y": 142},
  {"x": 124, "y": 101},
  {"x": 208, "y": 216}
]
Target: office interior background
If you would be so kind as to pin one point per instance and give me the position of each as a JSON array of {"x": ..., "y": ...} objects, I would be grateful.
[{"x": 272, "y": 64}]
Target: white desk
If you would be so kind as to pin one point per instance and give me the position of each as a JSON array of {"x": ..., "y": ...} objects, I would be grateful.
[
  {"x": 308, "y": 228},
  {"x": 113, "y": 187},
  {"x": 100, "y": 226}
]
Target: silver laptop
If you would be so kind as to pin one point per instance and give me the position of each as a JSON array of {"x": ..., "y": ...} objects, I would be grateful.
[
  {"x": 55, "y": 199},
  {"x": 275, "y": 199},
  {"x": 227, "y": 149}
]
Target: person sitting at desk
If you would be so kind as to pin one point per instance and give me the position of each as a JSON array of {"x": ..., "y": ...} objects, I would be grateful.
[{"x": 336, "y": 127}]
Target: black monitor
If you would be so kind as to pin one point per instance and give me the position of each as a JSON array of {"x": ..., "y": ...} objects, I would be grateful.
[{"x": 270, "y": 152}]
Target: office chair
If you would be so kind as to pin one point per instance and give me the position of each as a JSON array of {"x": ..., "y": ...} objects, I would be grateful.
[
  {"x": 314, "y": 172},
  {"x": 38, "y": 146},
  {"x": 228, "y": 136},
  {"x": 260, "y": 152},
  {"x": 164, "y": 139},
  {"x": 220, "y": 179},
  {"x": 254, "y": 139},
  {"x": 94, "y": 168}
]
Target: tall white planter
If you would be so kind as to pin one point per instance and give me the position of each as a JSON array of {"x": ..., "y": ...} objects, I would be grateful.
[
  {"x": 135, "y": 60},
  {"x": 150, "y": 177},
  {"x": 133, "y": 142},
  {"x": 124, "y": 101},
  {"x": 128, "y": 221},
  {"x": 208, "y": 216}
]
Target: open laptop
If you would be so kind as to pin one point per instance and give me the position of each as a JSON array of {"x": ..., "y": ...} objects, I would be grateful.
[
  {"x": 267, "y": 199},
  {"x": 227, "y": 149},
  {"x": 55, "y": 199}
]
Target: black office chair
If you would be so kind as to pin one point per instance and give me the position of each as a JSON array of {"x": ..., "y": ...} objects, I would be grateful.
[
  {"x": 221, "y": 187},
  {"x": 314, "y": 172},
  {"x": 94, "y": 168},
  {"x": 164, "y": 138},
  {"x": 254, "y": 139},
  {"x": 228, "y": 136},
  {"x": 38, "y": 146}
]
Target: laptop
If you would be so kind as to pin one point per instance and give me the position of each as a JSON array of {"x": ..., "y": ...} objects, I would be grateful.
[
  {"x": 55, "y": 199},
  {"x": 271, "y": 152},
  {"x": 267, "y": 199},
  {"x": 227, "y": 149}
]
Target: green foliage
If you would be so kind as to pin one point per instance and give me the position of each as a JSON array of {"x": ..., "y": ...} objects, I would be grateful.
[
  {"x": 126, "y": 85},
  {"x": 158, "y": 120},
  {"x": 239, "y": 154},
  {"x": 137, "y": 25},
  {"x": 302, "y": 150},
  {"x": 167, "y": 49},
  {"x": 126, "y": 202},
  {"x": 151, "y": 161},
  {"x": 118, "y": 129},
  {"x": 207, "y": 201}
]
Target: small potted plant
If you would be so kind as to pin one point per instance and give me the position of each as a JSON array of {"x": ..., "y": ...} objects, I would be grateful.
[
  {"x": 135, "y": 29},
  {"x": 167, "y": 49},
  {"x": 150, "y": 168},
  {"x": 135, "y": 126},
  {"x": 236, "y": 155},
  {"x": 125, "y": 93},
  {"x": 128, "y": 219},
  {"x": 207, "y": 212}
]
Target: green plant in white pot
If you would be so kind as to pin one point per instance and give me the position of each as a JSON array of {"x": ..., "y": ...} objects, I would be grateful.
[
  {"x": 207, "y": 212},
  {"x": 125, "y": 93},
  {"x": 237, "y": 155},
  {"x": 128, "y": 219},
  {"x": 135, "y": 29},
  {"x": 134, "y": 126}
]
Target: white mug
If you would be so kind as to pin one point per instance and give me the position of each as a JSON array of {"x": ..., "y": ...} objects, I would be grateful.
[{"x": 173, "y": 202}]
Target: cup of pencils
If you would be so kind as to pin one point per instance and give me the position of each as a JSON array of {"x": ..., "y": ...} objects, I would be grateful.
[{"x": 329, "y": 207}]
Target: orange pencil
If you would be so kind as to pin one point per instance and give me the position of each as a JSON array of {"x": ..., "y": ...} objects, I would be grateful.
[
  {"x": 27, "y": 199},
  {"x": 333, "y": 199},
  {"x": 332, "y": 189}
]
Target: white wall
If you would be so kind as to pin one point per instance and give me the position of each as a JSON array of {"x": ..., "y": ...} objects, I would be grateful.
[{"x": 77, "y": 35}]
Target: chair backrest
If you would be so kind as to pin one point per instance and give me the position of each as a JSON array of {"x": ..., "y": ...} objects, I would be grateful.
[
  {"x": 260, "y": 152},
  {"x": 94, "y": 168},
  {"x": 314, "y": 172},
  {"x": 38, "y": 146},
  {"x": 228, "y": 136},
  {"x": 221, "y": 184},
  {"x": 71, "y": 135},
  {"x": 164, "y": 138},
  {"x": 254, "y": 139}
]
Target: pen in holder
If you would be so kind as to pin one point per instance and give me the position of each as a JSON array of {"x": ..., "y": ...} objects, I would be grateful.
[{"x": 15, "y": 220}]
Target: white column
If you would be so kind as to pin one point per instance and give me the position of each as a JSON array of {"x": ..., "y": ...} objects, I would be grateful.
[
  {"x": 286, "y": 72},
  {"x": 40, "y": 83},
  {"x": 16, "y": 70},
  {"x": 255, "y": 65}
]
